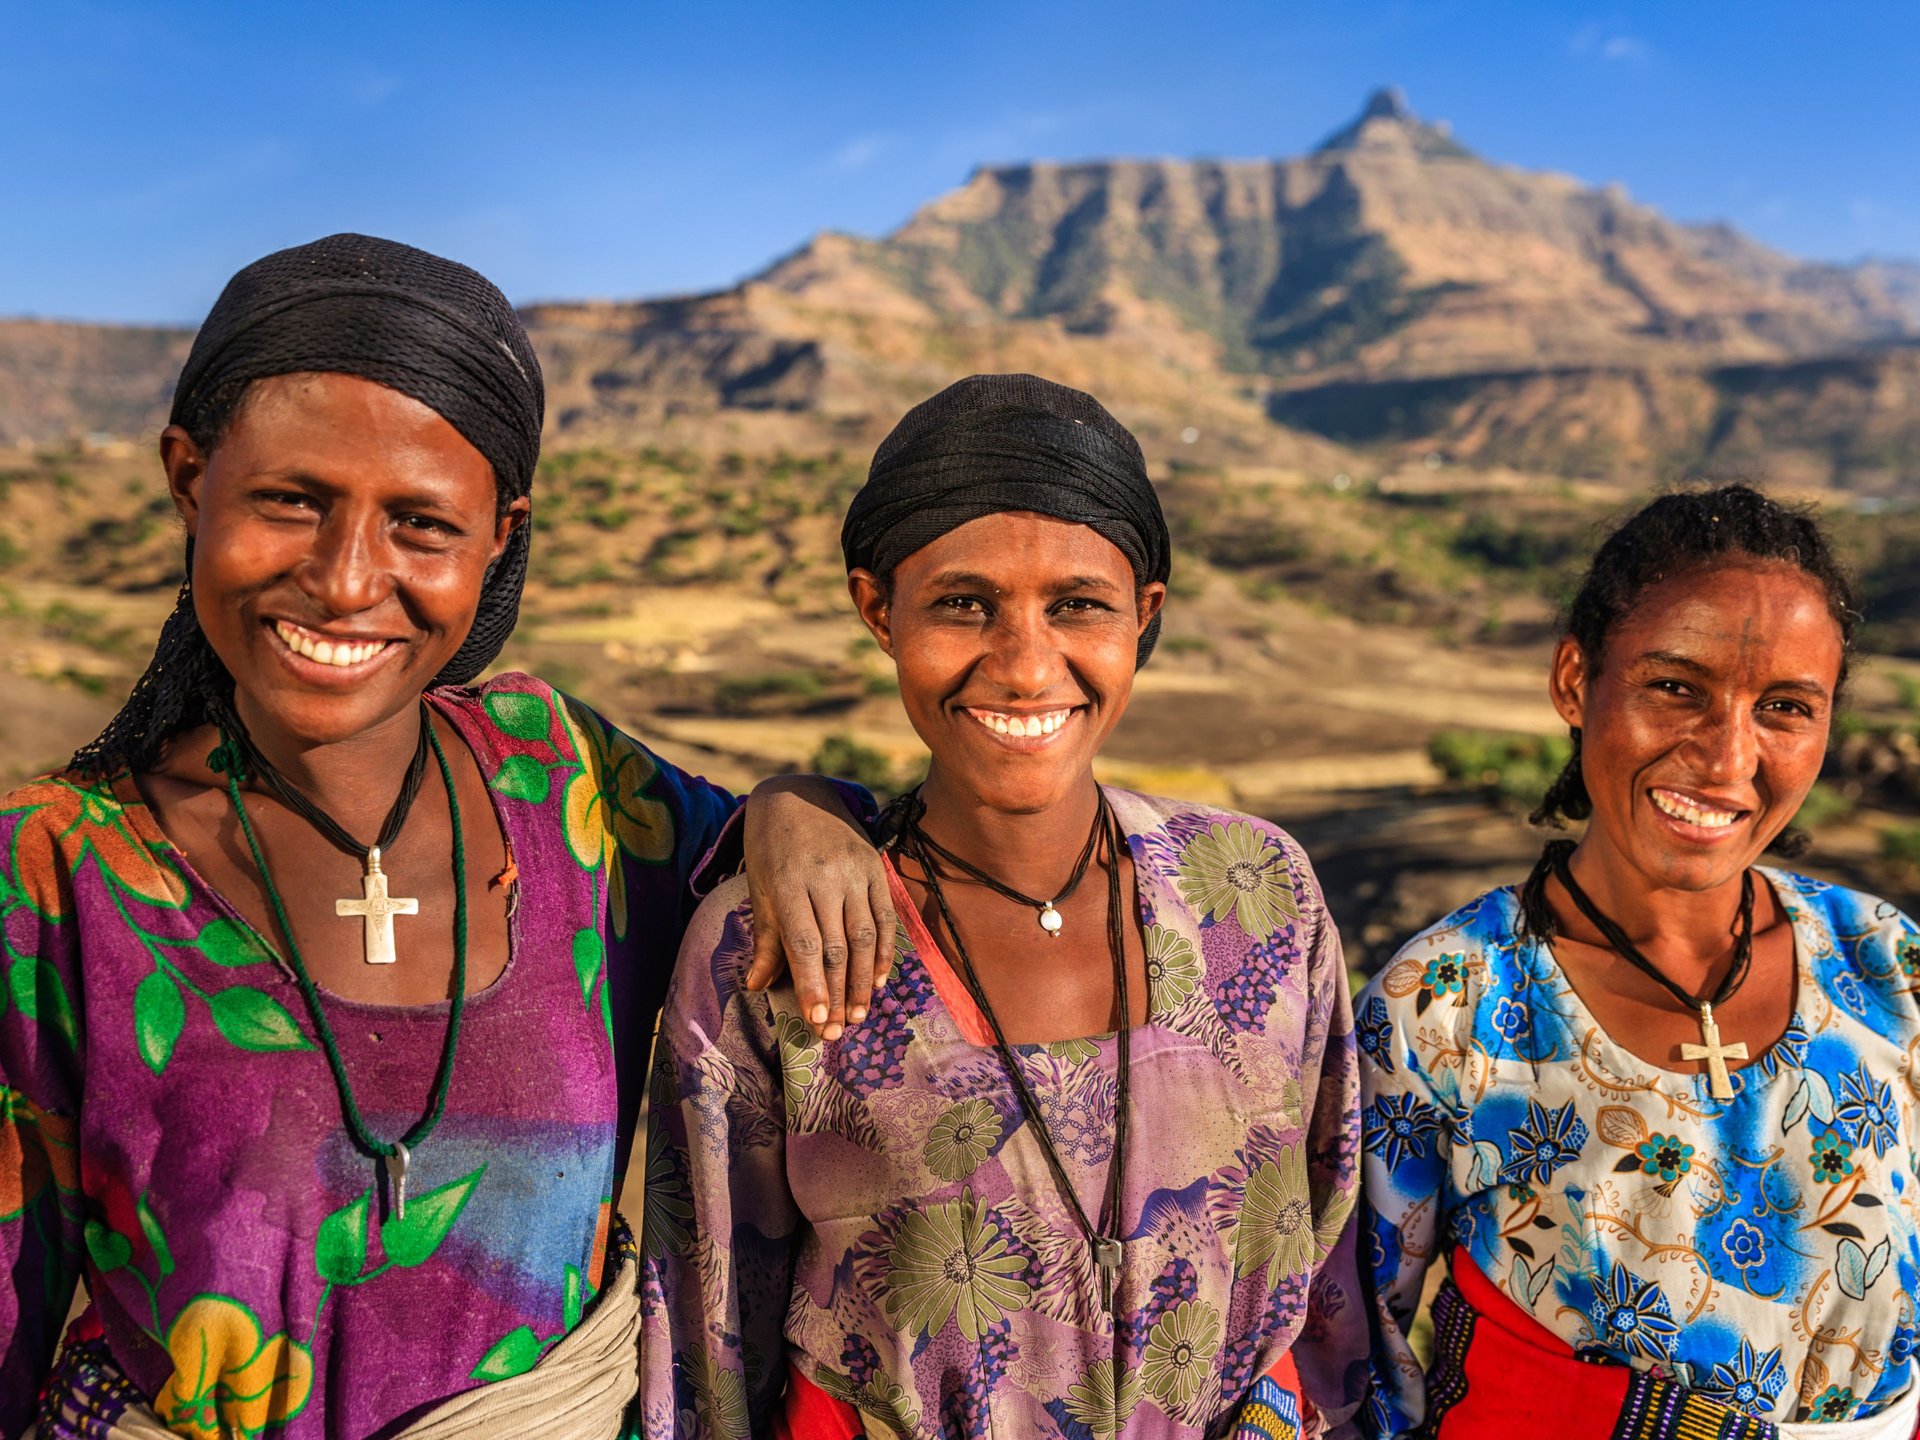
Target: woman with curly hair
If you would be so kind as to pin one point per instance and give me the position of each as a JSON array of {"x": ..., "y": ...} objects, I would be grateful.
[{"x": 1655, "y": 1105}]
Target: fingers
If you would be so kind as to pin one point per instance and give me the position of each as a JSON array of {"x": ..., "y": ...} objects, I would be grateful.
[
  {"x": 880, "y": 905},
  {"x": 831, "y": 918},
  {"x": 766, "y": 954},
  {"x": 802, "y": 947},
  {"x": 839, "y": 952},
  {"x": 823, "y": 913},
  {"x": 862, "y": 951},
  {"x": 767, "y": 964}
]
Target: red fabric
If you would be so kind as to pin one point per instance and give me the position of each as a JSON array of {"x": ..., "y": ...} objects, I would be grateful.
[
  {"x": 1522, "y": 1379},
  {"x": 86, "y": 1326},
  {"x": 947, "y": 984},
  {"x": 808, "y": 1413},
  {"x": 1284, "y": 1373}
]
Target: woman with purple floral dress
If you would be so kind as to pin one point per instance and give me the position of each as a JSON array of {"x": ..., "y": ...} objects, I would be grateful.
[
  {"x": 1087, "y": 1168},
  {"x": 332, "y": 1129}
]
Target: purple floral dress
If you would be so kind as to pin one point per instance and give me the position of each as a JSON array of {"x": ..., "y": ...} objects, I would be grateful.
[
  {"x": 169, "y": 1128},
  {"x": 877, "y": 1215}
]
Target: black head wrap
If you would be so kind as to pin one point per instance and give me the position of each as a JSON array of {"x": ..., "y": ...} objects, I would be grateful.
[
  {"x": 993, "y": 443},
  {"x": 354, "y": 305}
]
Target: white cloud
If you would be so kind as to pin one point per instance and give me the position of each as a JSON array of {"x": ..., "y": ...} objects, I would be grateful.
[
  {"x": 860, "y": 152},
  {"x": 1600, "y": 42}
]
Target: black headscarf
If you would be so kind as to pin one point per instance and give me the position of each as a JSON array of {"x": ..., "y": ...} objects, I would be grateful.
[
  {"x": 354, "y": 305},
  {"x": 993, "y": 443}
]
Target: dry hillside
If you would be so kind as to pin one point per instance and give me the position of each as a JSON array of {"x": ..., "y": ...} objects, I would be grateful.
[{"x": 1389, "y": 391}]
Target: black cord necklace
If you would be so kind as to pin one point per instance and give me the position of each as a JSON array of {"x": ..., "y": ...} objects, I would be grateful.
[
  {"x": 1103, "y": 1241},
  {"x": 375, "y": 907},
  {"x": 1051, "y": 920},
  {"x": 1710, "y": 1049},
  {"x": 229, "y": 757}
]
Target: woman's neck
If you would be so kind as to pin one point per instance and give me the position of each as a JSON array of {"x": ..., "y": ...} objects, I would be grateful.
[
  {"x": 1032, "y": 851},
  {"x": 354, "y": 780},
  {"x": 1660, "y": 920}
]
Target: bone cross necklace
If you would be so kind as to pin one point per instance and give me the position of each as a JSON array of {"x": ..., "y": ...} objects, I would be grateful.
[
  {"x": 1714, "y": 1053},
  {"x": 376, "y": 909},
  {"x": 1720, "y": 1084}
]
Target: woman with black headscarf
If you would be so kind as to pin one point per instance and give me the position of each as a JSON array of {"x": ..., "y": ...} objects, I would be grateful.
[
  {"x": 319, "y": 953},
  {"x": 1088, "y": 1167}
]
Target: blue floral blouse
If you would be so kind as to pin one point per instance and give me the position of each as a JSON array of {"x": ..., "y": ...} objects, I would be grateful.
[{"x": 1764, "y": 1250}]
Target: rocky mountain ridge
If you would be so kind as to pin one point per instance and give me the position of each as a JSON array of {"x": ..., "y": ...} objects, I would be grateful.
[{"x": 1390, "y": 289}]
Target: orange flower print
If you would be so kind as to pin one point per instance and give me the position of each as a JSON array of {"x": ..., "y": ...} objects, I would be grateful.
[
  {"x": 62, "y": 826},
  {"x": 35, "y": 1147},
  {"x": 227, "y": 1380},
  {"x": 608, "y": 811}
]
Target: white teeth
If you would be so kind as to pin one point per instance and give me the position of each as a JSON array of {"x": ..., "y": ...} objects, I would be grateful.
[
  {"x": 326, "y": 652},
  {"x": 1021, "y": 726},
  {"x": 1681, "y": 808}
]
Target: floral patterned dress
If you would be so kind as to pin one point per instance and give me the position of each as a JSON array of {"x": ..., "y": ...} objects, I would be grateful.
[
  {"x": 1763, "y": 1251},
  {"x": 877, "y": 1214},
  {"x": 169, "y": 1128}
]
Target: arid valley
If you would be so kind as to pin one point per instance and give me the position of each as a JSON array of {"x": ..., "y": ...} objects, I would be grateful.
[{"x": 1391, "y": 393}]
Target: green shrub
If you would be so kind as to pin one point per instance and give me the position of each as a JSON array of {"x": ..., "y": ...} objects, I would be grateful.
[
  {"x": 1513, "y": 546},
  {"x": 1186, "y": 644},
  {"x": 1514, "y": 768},
  {"x": 1823, "y": 805},
  {"x": 83, "y": 680},
  {"x": 1250, "y": 546},
  {"x": 845, "y": 758},
  {"x": 772, "y": 689},
  {"x": 1848, "y": 723},
  {"x": 1900, "y": 845}
]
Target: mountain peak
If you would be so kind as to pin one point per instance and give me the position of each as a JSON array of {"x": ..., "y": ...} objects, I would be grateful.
[
  {"x": 1387, "y": 122},
  {"x": 1389, "y": 102}
]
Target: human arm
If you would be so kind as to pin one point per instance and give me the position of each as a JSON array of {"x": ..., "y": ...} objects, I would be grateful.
[
  {"x": 40, "y": 1069},
  {"x": 818, "y": 888},
  {"x": 720, "y": 1221}
]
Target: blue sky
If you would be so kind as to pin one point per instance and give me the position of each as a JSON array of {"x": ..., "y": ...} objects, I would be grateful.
[{"x": 589, "y": 149}]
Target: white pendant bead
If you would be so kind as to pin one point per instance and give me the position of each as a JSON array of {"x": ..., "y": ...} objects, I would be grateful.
[{"x": 1050, "y": 920}]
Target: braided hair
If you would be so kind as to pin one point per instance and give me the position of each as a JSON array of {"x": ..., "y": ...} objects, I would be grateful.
[
  {"x": 1675, "y": 533},
  {"x": 386, "y": 312}
]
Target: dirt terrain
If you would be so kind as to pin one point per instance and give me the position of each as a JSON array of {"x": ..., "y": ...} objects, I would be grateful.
[
  {"x": 1390, "y": 393},
  {"x": 1307, "y": 688}
]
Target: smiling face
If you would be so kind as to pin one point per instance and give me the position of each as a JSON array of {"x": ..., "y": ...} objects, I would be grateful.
[
  {"x": 1705, "y": 725},
  {"x": 1014, "y": 636},
  {"x": 342, "y": 532}
]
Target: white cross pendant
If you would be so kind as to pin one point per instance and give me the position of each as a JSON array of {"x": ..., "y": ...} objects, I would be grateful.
[
  {"x": 377, "y": 908},
  {"x": 1715, "y": 1054}
]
